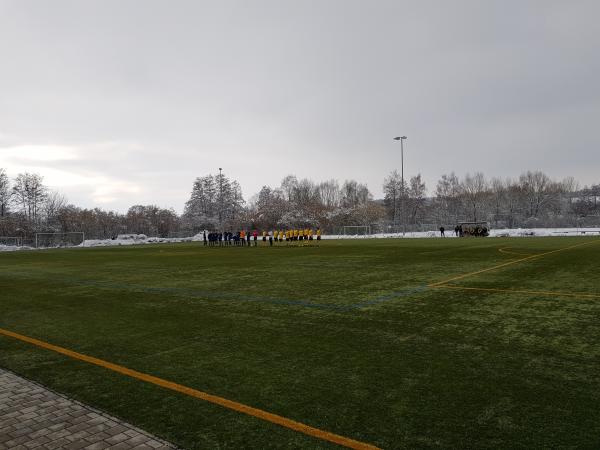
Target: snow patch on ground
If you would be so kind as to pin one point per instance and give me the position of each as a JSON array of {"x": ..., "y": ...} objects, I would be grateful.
[{"x": 13, "y": 248}]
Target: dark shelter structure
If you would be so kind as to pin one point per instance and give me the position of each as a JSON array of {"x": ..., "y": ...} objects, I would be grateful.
[{"x": 477, "y": 229}]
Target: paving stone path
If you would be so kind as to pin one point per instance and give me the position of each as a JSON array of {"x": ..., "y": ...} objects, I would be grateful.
[{"x": 32, "y": 417}]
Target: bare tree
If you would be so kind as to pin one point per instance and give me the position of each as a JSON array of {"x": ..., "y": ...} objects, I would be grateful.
[
  {"x": 568, "y": 188},
  {"x": 539, "y": 191},
  {"x": 288, "y": 186},
  {"x": 354, "y": 194},
  {"x": 474, "y": 190},
  {"x": 29, "y": 194},
  {"x": 392, "y": 190},
  {"x": 270, "y": 206},
  {"x": 498, "y": 190},
  {"x": 417, "y": 192},
  {"x": 329, "y": 193},
  {"x": 305, "y": 194},
  {"x": 447, "y": 199},
  {"x": 5, "y": 193},
  {"x": 53, "y": 203}
]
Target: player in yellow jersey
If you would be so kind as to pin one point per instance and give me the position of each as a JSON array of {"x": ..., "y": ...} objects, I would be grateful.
[{"x": 318, "y": 234}]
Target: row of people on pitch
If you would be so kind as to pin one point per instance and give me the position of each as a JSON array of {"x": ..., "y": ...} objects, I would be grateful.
[
  {"x": 292, "y": 235},
  {"x": 241, "y": 238}
]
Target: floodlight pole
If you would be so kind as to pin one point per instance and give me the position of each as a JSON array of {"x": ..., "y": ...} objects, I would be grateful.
[
  {"x": 221, "y": 199},
  {"x": 401, "y": 139}
]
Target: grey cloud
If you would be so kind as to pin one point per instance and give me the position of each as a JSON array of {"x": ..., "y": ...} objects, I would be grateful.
[{"x": 315, "y": 88}]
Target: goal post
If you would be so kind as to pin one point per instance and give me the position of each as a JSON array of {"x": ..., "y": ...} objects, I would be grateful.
[
  {"x": 11, "y": 241},
  {"x": 357, "y": 230},
  {"x": 69, "y": 239}
]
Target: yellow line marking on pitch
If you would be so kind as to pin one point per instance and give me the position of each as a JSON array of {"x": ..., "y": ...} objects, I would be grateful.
[
  {"x": 508, "y": 252},
  {"x": 229, "y": 404},
  {"x": 519, "y": 291},
  {"x": 509, "y": 263}
]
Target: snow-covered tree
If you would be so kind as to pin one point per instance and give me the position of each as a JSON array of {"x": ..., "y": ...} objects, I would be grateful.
[
  {"x": 270, "y": 207},
  {"x": 215, "y": 201}
]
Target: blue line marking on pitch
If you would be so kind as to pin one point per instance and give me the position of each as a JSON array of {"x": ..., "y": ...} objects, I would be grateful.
[
  {"x": 242, "y": 297},
  {"x": 256, "y": 298},
  {"x": 391, "y": 296}
]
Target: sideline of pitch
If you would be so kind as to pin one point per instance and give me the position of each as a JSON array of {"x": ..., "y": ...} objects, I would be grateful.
[{"x": 214, "y": 399}]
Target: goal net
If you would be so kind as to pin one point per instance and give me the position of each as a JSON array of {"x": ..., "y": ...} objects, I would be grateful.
[
  {"x": 357, "y": 230},
  {"x": 11, "y": 241},
  {"x": 70, "y": 239}
]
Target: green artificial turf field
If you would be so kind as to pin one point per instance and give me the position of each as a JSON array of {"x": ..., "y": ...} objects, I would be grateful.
[{"x": 374, "y": 340}]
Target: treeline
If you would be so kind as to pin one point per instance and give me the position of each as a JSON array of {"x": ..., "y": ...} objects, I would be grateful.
[
  {"x": 531, "y": 200},
  {"x": 216, "y": 202},
  {"x": 27, "y": 207}
]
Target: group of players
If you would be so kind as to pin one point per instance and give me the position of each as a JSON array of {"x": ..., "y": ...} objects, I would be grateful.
[{"x": 246, "y": 238}]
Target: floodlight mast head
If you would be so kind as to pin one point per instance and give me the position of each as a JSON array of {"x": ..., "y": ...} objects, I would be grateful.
[{"x": 397, "y": 138}]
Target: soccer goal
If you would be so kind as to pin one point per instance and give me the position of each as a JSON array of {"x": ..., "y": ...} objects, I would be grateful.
[
  {"x": 357, "y": 230},
  {"x": 11, "y": 241},
  {"x": 70, "y": 239}
]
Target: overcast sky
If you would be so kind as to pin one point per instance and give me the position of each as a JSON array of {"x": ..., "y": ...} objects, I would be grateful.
[{"x": 125, "y": 102}]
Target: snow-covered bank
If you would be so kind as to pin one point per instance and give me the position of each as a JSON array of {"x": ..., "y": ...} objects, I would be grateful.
[
  {"x": 137, "y": 239},
  {"x": 507, "y": 232},
  {"x": 122, "y": 239},
  {"x": 141, "y": 239},
  {"x": 13, "y": 248},
  {"x": 516, "y": 232}
]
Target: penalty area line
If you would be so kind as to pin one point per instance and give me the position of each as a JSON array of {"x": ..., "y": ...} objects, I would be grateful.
[
  {"x": 214, "y": 399},
  {"x": 509, "y": 263},
  {"x": 508, "y": 252}
]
